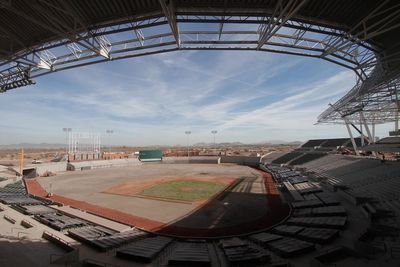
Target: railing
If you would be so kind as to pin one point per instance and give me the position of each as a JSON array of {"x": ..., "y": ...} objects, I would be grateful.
[
  {"x": 8, "y": 218},
  {"x": 395, "y": 252},
  {"x": 58, "y": 240}
]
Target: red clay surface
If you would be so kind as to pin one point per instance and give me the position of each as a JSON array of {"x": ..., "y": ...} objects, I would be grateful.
[{"x": 278, "y": 212}]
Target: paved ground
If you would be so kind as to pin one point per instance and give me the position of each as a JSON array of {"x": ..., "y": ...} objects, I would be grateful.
[{"x": 253, "y": 204}]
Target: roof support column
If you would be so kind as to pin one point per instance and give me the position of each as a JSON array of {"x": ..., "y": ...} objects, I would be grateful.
[
  {"x": 396, "y": 122},
  {"x": 370, "y": 138},
  {"x": 169, "y": 12},
  {"x": 346, "y": 120}
]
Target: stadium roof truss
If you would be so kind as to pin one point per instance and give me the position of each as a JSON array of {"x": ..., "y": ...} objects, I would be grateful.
[{"x": 280, "y": 27}]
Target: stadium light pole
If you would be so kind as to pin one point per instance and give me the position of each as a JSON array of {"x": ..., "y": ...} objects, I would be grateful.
[
  {"x": 66, "y": 131},
  {"x": 214, "y": 132},
  {"x": 109, "y": 132},
  {"x": 187, "y": 134}
]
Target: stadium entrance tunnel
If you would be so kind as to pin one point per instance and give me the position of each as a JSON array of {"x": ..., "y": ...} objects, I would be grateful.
[{"x": 29, "y": 173}]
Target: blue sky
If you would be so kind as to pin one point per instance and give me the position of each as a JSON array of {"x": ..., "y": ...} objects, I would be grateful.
[{"x": 246, "y": 96}]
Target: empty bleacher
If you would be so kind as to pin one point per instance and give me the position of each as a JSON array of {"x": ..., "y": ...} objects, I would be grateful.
[
  {"x": 286, "y": 158},
  {"x": 318, "y": 235},
  {"x": 334, "y": 222},
  {"x": 144, "y": 250},
  {"x": 289, "y": 247},
  {"x": 34, "y": 209},
  {"x": 335, "y": 142},
  {"x": 190, "y": 254},
  {"x": 59, "y": 221},
  {"x": 16, "y": 188},
  {"x": 104, "y": 239},
  {"x": 264, "y": 238},
  {"x": 307, "y": 188},
  {"x": 238, "y": 252},
  {"x": 389, "y": 140},
  {"x": 287, "y": 230},
  {"x": 307, "y": 158},
  {"x": 313, "y": 142}
]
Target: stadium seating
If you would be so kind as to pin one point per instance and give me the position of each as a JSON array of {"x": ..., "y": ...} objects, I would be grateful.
[
  {"x": 264, "y": 238},
  {"x": 334, "y": 222},
  {"x": 286, "y": 158},
  {"x": 190, "y": 254},
  {"x": 287, "y": 230},
  {"x": 34, "y": 209},
  {"x": 313, "y": 143},
  {"x": 103, "y": 239},
  {"x": 289, "y": 247},
  {"x": 335, "y": 142},
  {"x": 306, "y": 158},
  {"x": 59, "y": 221},
  {"x": 389, "y": 140},
  {"x": 144, "y": 250},
  {"x": 318, "y": 235},
  {"x": 239, "y": 252}
]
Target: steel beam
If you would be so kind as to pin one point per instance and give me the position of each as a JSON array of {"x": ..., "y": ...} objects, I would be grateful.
[
  {"x": 281, "y": 14},
  {"x": 169, "y": 12}
]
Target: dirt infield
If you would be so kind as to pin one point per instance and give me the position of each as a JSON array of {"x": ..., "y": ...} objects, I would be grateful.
[{"x": 144, "y": 188}]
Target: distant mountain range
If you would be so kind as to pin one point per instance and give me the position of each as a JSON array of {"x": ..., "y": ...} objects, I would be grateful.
[
  {"x": 201, "y": 144},
  {"x": 32, "y": 145}
]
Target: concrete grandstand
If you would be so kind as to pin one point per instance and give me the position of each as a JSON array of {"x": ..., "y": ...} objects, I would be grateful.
[{"x": 329, "y": 202}]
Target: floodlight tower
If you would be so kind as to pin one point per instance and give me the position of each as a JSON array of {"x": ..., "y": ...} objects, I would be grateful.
[
  {"x": 109, "y": 132},
  {"x": 214, "y": 132},
  {"x": 187, "y": 134},
  {"x": 66, "y": 131}
]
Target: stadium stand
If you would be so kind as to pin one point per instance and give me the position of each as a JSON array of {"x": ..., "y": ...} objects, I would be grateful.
[
  {"x": 287, "y": 230},
  {"x": 239, "y": 252},
  {"x": 335, "y": 142},
  {"x": 356, "y": 140},
  {"x": 104, "y": 239},
  {"x": 306, "y": 158},
  {"x": 289, "y": 247},
  {"x": 271, "y": 156},
  {"x": 16, "y": 188},
  {"x": 318, "y": 235},
  {"x": 59, "y": 221},
  {"x": 264, "y": 238},
  {"x": 190, "y": 254},
  {"x": 389, "y": 140},
  {"x": 144, "y": 250},
  {"x": 313, "y": 143},
  {"x": 293, "y": 192},
  {"x": 34, "y": 209},
  {"x": 307, "y": 188},
  {"x": 286, "y": 158},
  {"x": 336, "y": 222}
]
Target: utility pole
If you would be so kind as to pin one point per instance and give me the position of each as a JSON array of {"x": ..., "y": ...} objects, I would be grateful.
[
  {"x": 187, "y": 134},
  {"x": 109, "y": 132}
]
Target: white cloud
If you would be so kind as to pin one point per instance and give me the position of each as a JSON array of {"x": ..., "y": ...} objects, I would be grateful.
[{"x": 153, "y": 100}]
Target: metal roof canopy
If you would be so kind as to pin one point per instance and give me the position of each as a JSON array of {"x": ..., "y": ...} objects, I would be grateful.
[{"x": 38, "y": 37}]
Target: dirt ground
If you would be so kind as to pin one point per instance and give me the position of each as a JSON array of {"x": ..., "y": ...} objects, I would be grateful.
[{"x": 252, "y": 204}]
